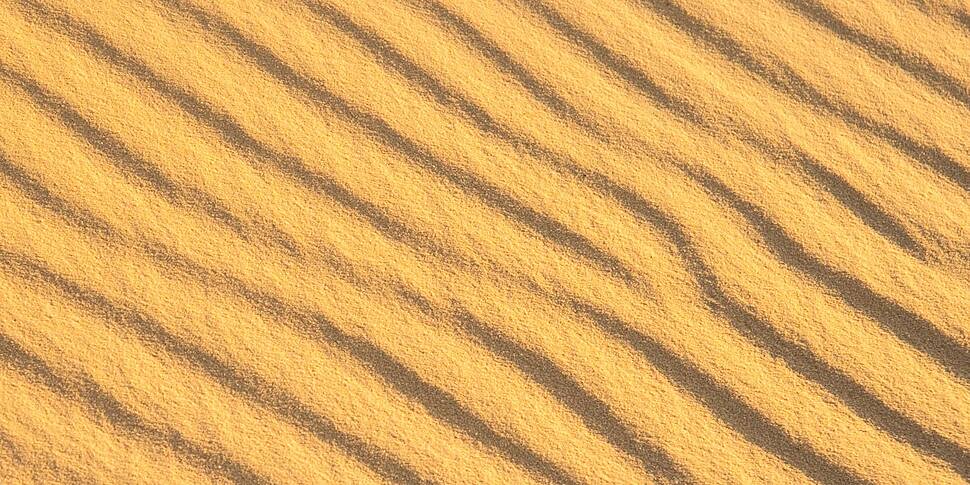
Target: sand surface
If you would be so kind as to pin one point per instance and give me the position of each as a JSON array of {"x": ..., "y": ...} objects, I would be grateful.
[{"x": 485, "y": 241}]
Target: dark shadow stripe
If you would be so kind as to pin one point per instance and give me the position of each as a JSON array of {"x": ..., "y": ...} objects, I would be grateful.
[
  {"x": 545, "y": 226},
  {"x": 851, "y": 198},
  {"x": 800, "y": 359},
  {"x": 627, "y": 197},
  {"x": 36, "y": 191},
  {"x": 780, "y": 76},
  {"x": 38, "y": 12},
  {"x": 389, "y": 56},
  {"x": 441, "y": 404},
  {"x": 618, "y": 64},
  {"x": 871, "y": 214},
  {"x": 595, "y": 413},
  {"x": 99, "y": 402},
  {"x": 248, "y": 386},
  {"x": 35, "y": 462},
  {"x": 913, "y": 63},
  {"x": 906, "y": 325},
  {"x": 797, "y": 356},
  {"x": 106, "y": 143},
  {"x": 962, "y": 19},
  {"x": 501, "y": 59},
  {"x": 730, "y": 409},
  {"x": 854, "y": 200},
  {"x": 141, "y": 171},
  {"x": 233, "y": 133},
  {"x": 434, "y": 87},
  {"x": 11, "y": 447},
  {"x": 427, "y": 82},
  {"x": 868, "y": 212}
]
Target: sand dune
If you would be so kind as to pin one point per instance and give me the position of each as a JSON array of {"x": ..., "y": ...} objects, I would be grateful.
[{"x": 508, "y": 241}]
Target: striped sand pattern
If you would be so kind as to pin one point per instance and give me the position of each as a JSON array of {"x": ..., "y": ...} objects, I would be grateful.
[{"x": 499, "y": 241}]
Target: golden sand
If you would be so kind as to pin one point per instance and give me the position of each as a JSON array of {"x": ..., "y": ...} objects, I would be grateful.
[{"x": 503, "y": 241}]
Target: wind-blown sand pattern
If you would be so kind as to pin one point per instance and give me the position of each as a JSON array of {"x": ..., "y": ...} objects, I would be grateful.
[{"x": 501, "y": 241}]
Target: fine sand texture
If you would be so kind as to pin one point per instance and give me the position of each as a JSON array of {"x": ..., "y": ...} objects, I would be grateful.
[{"x": 485, "y": 241}]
